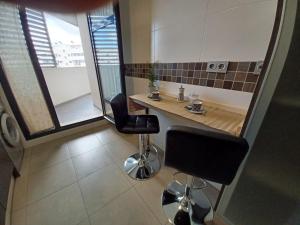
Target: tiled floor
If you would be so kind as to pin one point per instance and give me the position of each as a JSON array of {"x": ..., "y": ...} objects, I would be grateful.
[
  {"x": 77, "y": 110},
  {"x": 79, "y": 181}
]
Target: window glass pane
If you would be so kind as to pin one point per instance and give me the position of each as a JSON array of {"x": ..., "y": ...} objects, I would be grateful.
[
  {"x": 40, "y": 37},
  {"x": 105, "y": 40},
  {"x": 65, "y": 39},
  {"x": 19, "y": 71}
]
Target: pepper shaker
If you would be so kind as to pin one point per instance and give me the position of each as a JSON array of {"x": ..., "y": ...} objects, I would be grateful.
[{"x": 181, "y": 94}]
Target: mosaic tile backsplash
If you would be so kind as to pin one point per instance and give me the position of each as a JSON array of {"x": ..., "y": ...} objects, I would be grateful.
[{"x": 239, "y": 76}]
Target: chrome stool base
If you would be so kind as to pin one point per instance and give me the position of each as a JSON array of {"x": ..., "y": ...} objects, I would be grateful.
[
  {"x": 143, "y": 166},
  {"x": 182, "y": 209}
]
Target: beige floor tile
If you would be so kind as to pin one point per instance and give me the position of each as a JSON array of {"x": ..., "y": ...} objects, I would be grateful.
[
  {"x": 101, "y": 187},
  {"x": 84, "y": 222},
  {"x": 25, "y": 166},
  {"x": 131, "y": 138},
  {"x": 108, "y": 135},
  {"x": 83, "y": 144},
  {"x": 121, "y": 150},
  {"x": 64, "y": 207},
  {"x": 20, "y": 192},
  {"x": 91, "y": 161},
  {"x": 20, "y": 188},
  {"x": 127, "y": 209},
  {"x": 47, "y": 156},
  {"x": 27, "y": 152},
  {"x": 151, "y": 191},
  {"x": 19, "y": 217},
  {"x": 47, "y": 181}
]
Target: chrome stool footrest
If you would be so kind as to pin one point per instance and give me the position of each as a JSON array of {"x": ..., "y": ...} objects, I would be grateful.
[
  {"x": 196, "y": 183},
  {"x": 186, "y": 206}
]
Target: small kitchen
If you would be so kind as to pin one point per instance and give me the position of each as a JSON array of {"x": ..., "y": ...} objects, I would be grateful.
[{"x": 196, "y": 63}]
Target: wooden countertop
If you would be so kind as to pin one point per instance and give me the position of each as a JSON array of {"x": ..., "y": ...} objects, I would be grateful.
[{"x": 217, "y": 116}]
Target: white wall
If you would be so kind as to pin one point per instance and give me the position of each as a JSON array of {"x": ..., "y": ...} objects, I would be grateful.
[
  {"x": 136, "y": 30},
  {"x": 238, "y": 30},
  {"x": 196, "y": 30},
  {"x": 192, "y": 31},
  {"x": 67, "y": 83}
]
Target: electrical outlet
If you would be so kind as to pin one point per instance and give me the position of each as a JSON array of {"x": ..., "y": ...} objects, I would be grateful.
[
  {"x": 211, "y": 67},
  {"x": 217, "y": 67},
  {"x": 258, "y": 67}
]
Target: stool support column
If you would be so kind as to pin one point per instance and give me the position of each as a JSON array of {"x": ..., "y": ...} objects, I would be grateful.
[
  {"x": 146, "y": 163},
  {"x": 186, "y": 204}
]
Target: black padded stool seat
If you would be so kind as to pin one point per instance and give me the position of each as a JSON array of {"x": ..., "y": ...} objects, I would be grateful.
[
  {"x": 206, "y": 154},
  {"x": 144, "y": 164},
  {"x": 141, "y": 124}
]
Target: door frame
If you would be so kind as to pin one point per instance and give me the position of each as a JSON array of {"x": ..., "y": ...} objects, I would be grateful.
[
  {"x": 37, "y": 68},
  {"x": 116, "y": 9},
  {"x": 120, "y": 47},
  {"x": 43, "y": 85}
]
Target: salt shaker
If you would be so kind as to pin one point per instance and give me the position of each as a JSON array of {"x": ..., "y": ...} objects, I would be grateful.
[{"x": 181, "y": 94}]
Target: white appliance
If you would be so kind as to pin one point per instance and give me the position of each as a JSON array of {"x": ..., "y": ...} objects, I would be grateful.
[{"x": 10, "y": 138}]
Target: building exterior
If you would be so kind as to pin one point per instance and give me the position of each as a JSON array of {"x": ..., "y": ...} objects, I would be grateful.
[{"x": 68, "y": 55}]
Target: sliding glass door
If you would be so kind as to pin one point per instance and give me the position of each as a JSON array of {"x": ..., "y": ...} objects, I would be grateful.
[
  {"x": 49, "y": 62},
  {"x": 106, "y": 41},
  {"x": 60, "y": 43}
]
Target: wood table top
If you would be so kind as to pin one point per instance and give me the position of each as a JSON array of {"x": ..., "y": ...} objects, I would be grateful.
[{"x": 217, "y": 116}]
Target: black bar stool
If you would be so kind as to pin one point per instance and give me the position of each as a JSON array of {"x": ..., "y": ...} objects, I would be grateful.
[
  {"x": 201, "y": 154},
  {"x": 146, "y": 163}
]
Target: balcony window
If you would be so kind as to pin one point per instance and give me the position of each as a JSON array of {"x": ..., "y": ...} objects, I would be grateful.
[{"x": 56, "y": 39}]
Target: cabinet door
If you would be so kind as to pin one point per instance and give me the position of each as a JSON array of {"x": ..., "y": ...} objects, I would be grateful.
[{"x": 6, "y": 169}]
